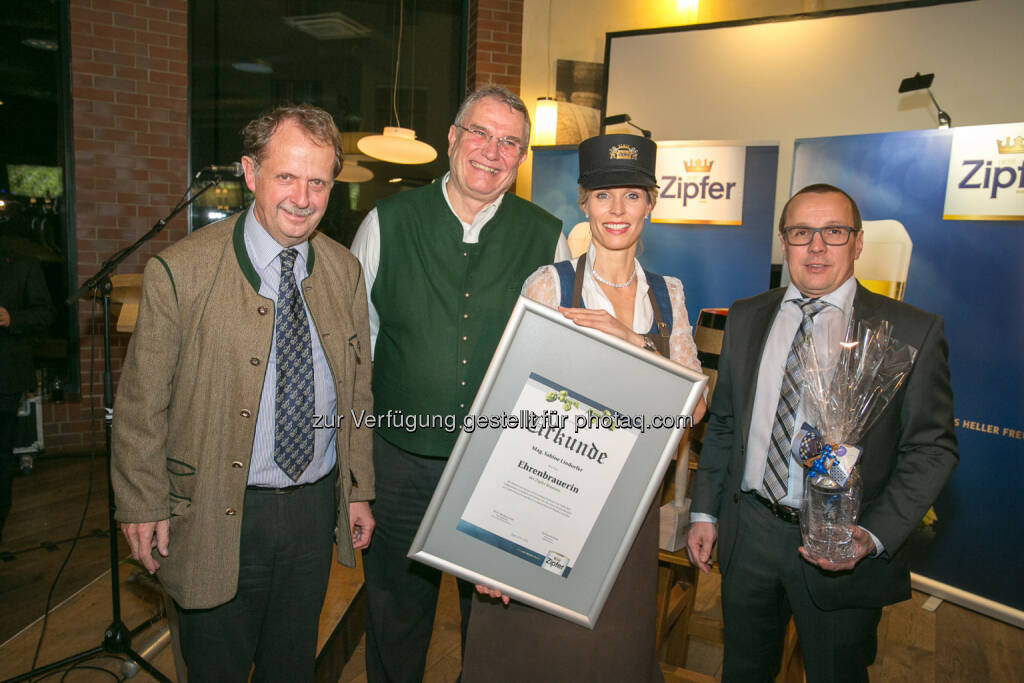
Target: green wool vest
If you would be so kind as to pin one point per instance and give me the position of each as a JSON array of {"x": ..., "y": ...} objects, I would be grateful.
[{"x": 443, "y": 305}]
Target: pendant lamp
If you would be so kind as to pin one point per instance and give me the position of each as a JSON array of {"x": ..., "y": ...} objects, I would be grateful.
[
  {"x": 351, "y": 171},
  {"x": 396, "y": 144}
]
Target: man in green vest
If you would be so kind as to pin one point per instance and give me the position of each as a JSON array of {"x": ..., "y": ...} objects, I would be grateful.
[{"x": 444, "y": 265}]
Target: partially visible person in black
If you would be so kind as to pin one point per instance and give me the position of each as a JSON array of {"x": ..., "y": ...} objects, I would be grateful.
[{"x": 25, "y": 310}]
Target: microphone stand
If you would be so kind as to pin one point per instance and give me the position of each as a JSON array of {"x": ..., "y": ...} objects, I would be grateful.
[{"x": 117, "y": 638}]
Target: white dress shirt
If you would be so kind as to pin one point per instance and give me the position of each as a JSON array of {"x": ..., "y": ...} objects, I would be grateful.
[{"x": 829, "y": 329}]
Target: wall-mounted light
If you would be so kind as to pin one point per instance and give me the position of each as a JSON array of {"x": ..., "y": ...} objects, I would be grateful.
[
  {"x": 624, "y": 118},
  {"x": 919, "y": 82},
  {"x": 545, "y": 121}
]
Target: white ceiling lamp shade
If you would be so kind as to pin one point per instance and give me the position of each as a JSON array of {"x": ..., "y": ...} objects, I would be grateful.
[
  {"x": 398, "y": 146},
  {"x": 352, "y": 172}
]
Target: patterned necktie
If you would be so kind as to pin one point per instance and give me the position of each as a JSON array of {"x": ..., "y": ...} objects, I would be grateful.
[
  {"x": 293, "y": 420},
  {"x": 776, "y": 471}
]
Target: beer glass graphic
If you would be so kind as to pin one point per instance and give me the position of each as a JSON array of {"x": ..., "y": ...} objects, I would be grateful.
[{"x": 885, "y": 259}]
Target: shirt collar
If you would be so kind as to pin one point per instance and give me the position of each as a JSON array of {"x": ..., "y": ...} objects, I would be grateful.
[
  {"x": 262, "y": 248},
  {"x": 482, "y": 216},
  {"x": 841, "y": 297}
]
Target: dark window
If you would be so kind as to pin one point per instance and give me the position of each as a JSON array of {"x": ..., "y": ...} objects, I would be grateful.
[{"x": 247, "y": 57}]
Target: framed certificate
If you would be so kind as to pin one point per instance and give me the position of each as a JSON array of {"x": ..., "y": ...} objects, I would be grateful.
[{"x": 557, "y": 463}]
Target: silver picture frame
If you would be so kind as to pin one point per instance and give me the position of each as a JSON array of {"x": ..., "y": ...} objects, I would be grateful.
[{"x": 637, "y": 384}]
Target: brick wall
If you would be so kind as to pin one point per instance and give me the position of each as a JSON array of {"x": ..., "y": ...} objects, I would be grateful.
[
  {"x": 495, "y": 43},
  {"x": 129, "y": 76}
]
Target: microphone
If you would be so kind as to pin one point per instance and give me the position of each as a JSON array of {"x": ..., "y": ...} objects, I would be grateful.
[{"x": 234, "y": 169}]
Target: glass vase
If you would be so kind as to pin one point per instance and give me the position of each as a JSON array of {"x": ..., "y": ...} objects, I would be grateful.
[{"x": 827, "y": 513}]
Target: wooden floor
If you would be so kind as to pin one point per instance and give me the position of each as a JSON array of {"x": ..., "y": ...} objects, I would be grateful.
[{"x": 916, "y": 646}]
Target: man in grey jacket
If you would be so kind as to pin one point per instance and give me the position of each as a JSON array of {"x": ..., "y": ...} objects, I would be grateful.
[{"x": 248, "y": 330}]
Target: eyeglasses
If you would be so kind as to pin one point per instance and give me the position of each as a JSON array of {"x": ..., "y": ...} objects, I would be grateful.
[
  {"x": 832, "y": 235},
  {"x": 508, "y": 146}
]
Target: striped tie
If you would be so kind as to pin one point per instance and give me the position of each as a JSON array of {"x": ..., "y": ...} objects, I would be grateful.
[
  {"x": 293, "y": 420},
  {"x": 776, "y": 471}
]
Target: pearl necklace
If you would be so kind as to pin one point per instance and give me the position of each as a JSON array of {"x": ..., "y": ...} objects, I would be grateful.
[{"x": 616, "y": 285}]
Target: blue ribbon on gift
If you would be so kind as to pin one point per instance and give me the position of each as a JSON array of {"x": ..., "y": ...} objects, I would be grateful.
[{"x": 819, "y": 456}]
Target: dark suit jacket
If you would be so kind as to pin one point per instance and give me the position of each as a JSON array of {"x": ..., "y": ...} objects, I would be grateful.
[
  {"x": 24, "y": 294},
  {"x": 909, "y": 453}
]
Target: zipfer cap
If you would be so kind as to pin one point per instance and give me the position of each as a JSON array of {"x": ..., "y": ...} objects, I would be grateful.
[{"x": 617, "y": 160}]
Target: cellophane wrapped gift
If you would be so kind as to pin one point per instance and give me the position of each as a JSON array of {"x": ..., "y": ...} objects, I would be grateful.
[{"x": 843, "y": 393}]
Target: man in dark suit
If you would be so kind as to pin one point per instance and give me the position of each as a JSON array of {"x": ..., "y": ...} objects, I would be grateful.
[
  {"x": 25, "y": 311},
  {"x": 749, "y": 485}
]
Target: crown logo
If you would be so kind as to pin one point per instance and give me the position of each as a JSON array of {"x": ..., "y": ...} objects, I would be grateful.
[
  {"x": 698, "y": 165},
  {"x": 623, "y": 152},
  {"x": 1016, "y": 148}
]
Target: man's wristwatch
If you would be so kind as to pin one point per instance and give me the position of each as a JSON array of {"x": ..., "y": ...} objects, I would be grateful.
[{"x": 649, "y": 343}]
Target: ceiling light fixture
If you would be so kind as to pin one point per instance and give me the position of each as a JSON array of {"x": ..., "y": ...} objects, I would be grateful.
[
  {"x": 688, "y": 8},
  {"x": 257, "y": 66},
  {"x": 396, "y": 144},
  {"x": 40, "y": 44},
  {"x": 328, "y": 26}
]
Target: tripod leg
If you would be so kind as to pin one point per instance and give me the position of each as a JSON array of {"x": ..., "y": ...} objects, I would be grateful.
[{"x": 53, "y": 666}]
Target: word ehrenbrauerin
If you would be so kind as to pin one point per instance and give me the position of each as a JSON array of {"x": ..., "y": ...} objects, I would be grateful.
[{"x": 547, "y": 421}]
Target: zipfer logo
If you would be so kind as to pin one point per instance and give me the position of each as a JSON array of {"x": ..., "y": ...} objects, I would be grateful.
[{"x": 981, "y": 174}]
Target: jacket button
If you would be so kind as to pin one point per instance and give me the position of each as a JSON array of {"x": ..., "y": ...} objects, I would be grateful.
[
  {"x": 254, "y": 361},
  {"x": 245, "y": 413},
  {"x": 462, "y": 405},
  {"x": 230, "y": 512},
  {"x": 462, "y": 383},
  {"x": 237, "y": 464},
  {"x": 467, "y": 295},
  {"x": 464, "y": 361},
  {"x": 262, "y": 310}
]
